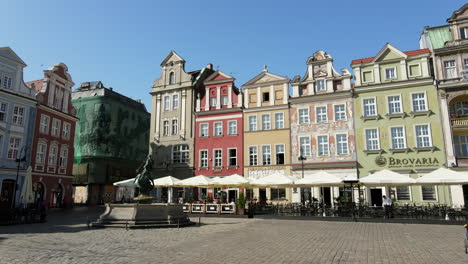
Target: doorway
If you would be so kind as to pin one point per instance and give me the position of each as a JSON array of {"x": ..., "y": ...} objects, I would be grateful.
[
  {"x": 376, "y": 197},
  {"x": 262, "y": 197},
  {"x": 6, "y": 195},
  {"x": 232, "y": 196},
  {"x": 465, "y": 194},
  {"x": 56, "y": 196},
  {"x": 326, "y": 194}
]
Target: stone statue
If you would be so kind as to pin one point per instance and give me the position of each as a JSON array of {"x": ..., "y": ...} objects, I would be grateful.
[{"x": 144, "y": 178}]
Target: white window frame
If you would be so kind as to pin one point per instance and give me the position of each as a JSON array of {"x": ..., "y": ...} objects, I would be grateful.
[
  {"x": 63, "y": 160},
  {"x": 429, "y": 135},
  {"x": 232, "y": 133},
  {"x": 174, "y": 133},
  {"x": 322, "y": 88},
  {"x": 319, "y": 144},
  {"x": 179, "y": 149},
  {"x": 269, "y": 122},
  {"x": 337, "y": 143},
  {"x": 175, "y": 101},
  {"x": 365, "y": 138},
  {"x": 255, "y": 124},
  {"x": 166, "y": 129},
  {"x": 371, "y": 74},
  {"x": 394, "y": 68},
  {"x": 41, "y": 155},
  {"x": 317, "y": 114},
  {"x": 364, "y": 107},
  {"x": 2, "y": 139},
  {"x": 66, "y": 128},
  {"x": 409, "y": 191},
  {"x": 276, "y": 153},
  {"x": 435, "y": 191},
  {"x": 223, "y": 101},
  {"x": 263, "y": 155},
  {"x": 15, "y": 148},
  {"x": 17, "y": 118},
  {"x": 229, "y": 158},
  {"x": 409, "y": 70},
  {"x": 453, "y": 68},
  {"x": 213, "y": 101},
  {"x": 425, "y": 101},
  {"x": 7, "y": 81},
  {"x": 399, "y": 101},
  {"x": 307, "y": 151},
  {"x": 255, "y": 154},
  {"x": 52, "y": 157},
  {"x": 215, "y": 158},
  {"x": 276, "y": 120},
  {"x": 344, "y": 112},
  {"x": 391, "y": 137},
  {"x": 202, "y": 159},
  {"x": 171, "y": 77},
  {"x": 207, "y": 130},
  {"x": 4, "y": 112},
  {"x": 43, "y": 126},
  {"x": 214, "y": 129},
  {"x": 167, "y": 103},
  {"x": 303, "y": 119},
  {"x": 55, "y": 131}
]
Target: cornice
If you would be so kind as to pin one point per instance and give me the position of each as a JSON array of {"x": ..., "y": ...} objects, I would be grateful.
[
  {"x": 265, "y": 84},
  {"x": 265, "y": 108},
  {"x": 321, "y": 97},
  {"x": 62, "y": 114},
  {"x": 219, "y": 111},
  {"x": 393, "y": 85}
]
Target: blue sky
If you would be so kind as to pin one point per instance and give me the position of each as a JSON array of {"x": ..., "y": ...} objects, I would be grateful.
[{"x": 122, "y": 43}]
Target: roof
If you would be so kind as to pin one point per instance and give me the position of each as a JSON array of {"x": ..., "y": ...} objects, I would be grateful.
[
  {"x": 37, "y": 85},
  {"x": 457, "y": 13},
  {"x": 8, "y": 53},
  {"x": 408, "y": 53}
]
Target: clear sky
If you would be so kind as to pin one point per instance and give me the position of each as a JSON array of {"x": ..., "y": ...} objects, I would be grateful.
[{"x": 122, "y": 43}]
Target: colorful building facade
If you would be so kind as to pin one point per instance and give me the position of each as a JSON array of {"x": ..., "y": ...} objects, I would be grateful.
[
  {"x": 111, "y": 141},
  {"x": 397, "y": 120},
  {"x": 219, "y": 131},
  {"x": 322, "y": 127},
  {"x": 172, "y": 117},
  {"x": 54, "y": 133},
  {"x": 17, "y": 116},
  {"x": 266, "y": 133}
]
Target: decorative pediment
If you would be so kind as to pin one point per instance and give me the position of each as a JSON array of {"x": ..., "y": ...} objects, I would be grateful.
[
  {"x": 219, "y": 76},
  {"x": 460, "y": 13},
  {"x": 265, "y": 77},
  {"x": 8, "y": 53},
  {"x": 172, "y": 57},
  {"x": 319, "y": 56},
  {"x": 388, "y": 52}
]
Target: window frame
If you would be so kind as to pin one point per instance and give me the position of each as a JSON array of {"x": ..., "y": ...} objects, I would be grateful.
[
  {"x": 409, "y": 70},
  {"x": 309, "y": 145},
  {"x": 66, "y": 132},
  {"x": 216, "y": 159},
  {"x": 174, "y": 132},
  {"x": 399, "y": 101},
  {"x": 366, "y": 141},
  {"x": 269, "y": 122},
  {"x": 319, "y": 144},
  {"x": 18, "y": 116},
  {"x": 364, "y": 106},
  {"x": 230, "y": 157},
  {"x": 253, "y": 155},
  {"x": 4, "y": 112},
  {"x": 58, "y": 130},
  {"x": 54, "y": 155},
  {"x": 175, "y": 101},
  {"x": 167, "y": 102},
  {"x": 344, "y": 112},
  {"x": 249, "y": 122},
  {"x": 436, "y": 195},
  {"x": 207, "y": 130},
  {"x": 42, "y": 124},
  {"x": 371, "y": 74},
  {"x": 394, "y": 68},
  {"x": 202, "y": 160},
  {"x": 317, "y": 114},
  {"x": 323, "y": 87},
  {"x": 268, "y": 153},
  {"x": 263, "y": 97},
  {"x": 166, "y": 132},
  {"x": 215, "y": 128},
  {"x": 431, "y": 144},
  {"x": 62, "y": 158},
  {"x": 283, "y": 152},
  {"x": 300, "y": 117},
  {"x": 282, "y": 120},
  {"x": 426, "y": 103},
  {"x": 229, "y": 127},
  {"x": 454, "y": 68},
  {"x": 405, "y": 145},
  {"x": 13, "y": 149},
  {"x": 337, "y": 143}
]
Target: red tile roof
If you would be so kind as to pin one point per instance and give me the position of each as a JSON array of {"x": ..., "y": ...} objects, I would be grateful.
[
  {"x": 409, "y": 53},
  {"x": 37, "y": 84}
]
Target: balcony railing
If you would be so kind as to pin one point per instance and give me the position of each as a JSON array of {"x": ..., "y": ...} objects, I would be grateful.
[{"x": 459, "y": 122}]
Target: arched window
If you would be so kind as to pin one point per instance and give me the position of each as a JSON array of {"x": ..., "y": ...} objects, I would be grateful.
[
  {"x": 171, "y": 78},
  {"x": 459, "y": 108}
]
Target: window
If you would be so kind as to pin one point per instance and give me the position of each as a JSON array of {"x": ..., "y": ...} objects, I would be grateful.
[
  {"x": 367, "y": 76},
  {"x": 450, "y": 71},
  {"x": 174, "y": 127},
  {"x": 390, "y": 73},
  {"x": 63, "y": 158},
  {"x": 52, "y": 161},
  {"x": 305, "y": 146},
  {"x": 266, "y": 154},
  {"x": 428, "y": 192},
  {"x": 372, "y": 139},
  {"x": 278, "y": 193},
  {"x": 279, "y": 120},
  {"x": 167, "y": 102},
  {"x": 320, "y": 86},
  {"x": 464, "y": 33},
  {"x": 398, "y": 137},
  {"x": 369, "y": 107},
  {"x": 218, "y": 158},
  {"x": 7, "y": 82},
  {"x": 3, "y": 109},
  {"x": 419, "y": 102},
  {"x": 414, "y": 70},
  {"x": 253, "y": 156},
  {"x": 266, "y": 122},
  {"x": 232, "y": 127},
  {"x": 66, "y": 130},
  {"x": 13, "y": 148},
  {"x": 1, "y": 144},
  {"x": 232, "y": 157},
  {"x": 18, "y": 115},
  {"x": 180, "y": 154},
  {"x": 171, "y": 78},
  {"x": 218, "y": 129},
  {"x": 175, "y": 101},
  {"x": 203, "y": 158},
  {"x": 394, "y": 104},
  {"x": 279, "y": 154},
  {"x": 403, "y": 193},
  {"x": 224, "y": 100},
  {"x": 166, "y": 128},
  {"x": 461, "y": 145},
  {"x": 41, "y": 153},
  {"x": 322, "y": 145},
  {"x": 266, "y": 97},
  {"x": 341, "y": 144},
  {"x": 252, "y": 123},
  {"x": 55, "y": 127},
  {"x": 423, "y": 137},
  {"x": 58, "y": 98},
  {"x": 203, "y": 130},
  {"x": 340, "y": 112},
  {"x": 303, "y": 116},
  {"x": 44, "y": 126},
  {"x": 321, "y": 113},
  {"x": 213, "y": 101},
  {"x": 459, "y": 108}
]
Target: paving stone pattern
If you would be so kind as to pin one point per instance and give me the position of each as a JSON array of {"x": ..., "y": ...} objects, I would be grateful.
[{"x": 66, "y": 239}]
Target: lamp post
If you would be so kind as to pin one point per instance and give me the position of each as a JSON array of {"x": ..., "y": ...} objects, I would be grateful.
[
  {"x": 18, "y": 160},
  {"x": 302, "y": 158}
]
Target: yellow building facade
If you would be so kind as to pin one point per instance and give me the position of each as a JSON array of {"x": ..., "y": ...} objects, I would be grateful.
[{"x": 266, "y": 133}]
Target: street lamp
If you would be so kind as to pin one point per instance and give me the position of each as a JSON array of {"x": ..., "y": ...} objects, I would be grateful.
[
  {"x": 18, "y": 160},
  {"x": 302, "y": 158}
]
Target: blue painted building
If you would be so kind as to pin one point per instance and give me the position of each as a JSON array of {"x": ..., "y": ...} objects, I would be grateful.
[{"x": 17, "y": 116}]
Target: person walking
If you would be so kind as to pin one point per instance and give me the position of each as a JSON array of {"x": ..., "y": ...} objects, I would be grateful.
[{"x": 387, "y": 203}]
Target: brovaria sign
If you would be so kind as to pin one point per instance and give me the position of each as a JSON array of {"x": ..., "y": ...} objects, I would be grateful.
[{"x": 391, "y": 162}]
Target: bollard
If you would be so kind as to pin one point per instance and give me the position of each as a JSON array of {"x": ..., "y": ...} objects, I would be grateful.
[
  {"x": 88, "y": 222},
  {"x": 126, "y": 225},
  {"x": 199, "y": 221},
  {"x": 178, "y": 223}
]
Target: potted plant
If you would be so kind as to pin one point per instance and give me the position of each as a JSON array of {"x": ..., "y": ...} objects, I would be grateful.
[{"x": 241, "y": 204}]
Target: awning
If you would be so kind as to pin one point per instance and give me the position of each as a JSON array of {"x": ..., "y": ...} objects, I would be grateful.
[
  {"x": 167, "y": 181},
  {"x": 386, "y": 177},
  {"x": 321, "y": 178},
  {"x": 443, "y": 176},
  {"x": 197, "y": 181},
  {"x": 234, "y": 180},
  {"x": 274, "y": 180}
]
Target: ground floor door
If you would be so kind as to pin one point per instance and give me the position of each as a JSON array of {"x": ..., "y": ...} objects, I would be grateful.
[
  {"x": 6, "y": 195},
  {"x": 262, "y": 197},
  {"x": 326, "y": 194},
  {"x": 232, "y": 196},
  {"x": 465, "y": 194},
  {"x": 376, "y": 197},
  {"x": 306, "y": 195},
  {"x": 56, "y": 196}
]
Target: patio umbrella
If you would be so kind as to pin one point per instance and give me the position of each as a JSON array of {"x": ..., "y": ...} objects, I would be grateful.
[
  {"x": 386, "y": 177},
  {"x": 27, "y": 195},
  {"x": 274, "y": 180},
  {"x": 196, "y": 181},
  {"x": 126, "y": 183},
  {"x": 234, "y": 180},
  {"x": 167, "y": 181},
  {"x": 321, "y": 178}
]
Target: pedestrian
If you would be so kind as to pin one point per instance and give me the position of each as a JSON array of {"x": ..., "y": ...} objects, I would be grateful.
[{"x": 387, "y": 203}]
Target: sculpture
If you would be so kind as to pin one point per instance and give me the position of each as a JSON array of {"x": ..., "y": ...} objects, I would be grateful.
[{"x": 144, "y": 178}]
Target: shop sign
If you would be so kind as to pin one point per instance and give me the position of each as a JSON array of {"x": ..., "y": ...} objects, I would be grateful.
[
  {"x": 260, "y": 173},
  {"x": 392, "y": 162}
]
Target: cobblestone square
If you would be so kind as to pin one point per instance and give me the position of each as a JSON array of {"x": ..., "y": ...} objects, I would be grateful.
[{"x": 66, "y": 239}]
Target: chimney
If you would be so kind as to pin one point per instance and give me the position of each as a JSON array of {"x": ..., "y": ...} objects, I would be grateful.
[{"x": 209, "y": 66}]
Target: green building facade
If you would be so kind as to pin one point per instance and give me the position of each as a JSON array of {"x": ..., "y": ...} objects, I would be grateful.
[
  {"x": 398, "y": 123},
  {"x": 111, "y": 141}
]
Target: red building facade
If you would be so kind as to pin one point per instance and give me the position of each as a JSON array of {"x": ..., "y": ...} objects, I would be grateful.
[
  {"x": 54, "y": 133},
  {"x": 219, "y": 131}
]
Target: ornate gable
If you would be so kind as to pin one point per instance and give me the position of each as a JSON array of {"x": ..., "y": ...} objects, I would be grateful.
[
  {"x": 388, "y": 52},
  {"x": 265, "y": 77},
  {"x": 8, "y": 53}
]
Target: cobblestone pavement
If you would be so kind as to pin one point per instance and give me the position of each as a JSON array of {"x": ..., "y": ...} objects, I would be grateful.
[{"x": 65, "y": 239}]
